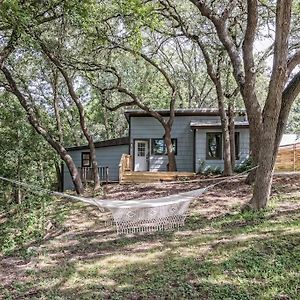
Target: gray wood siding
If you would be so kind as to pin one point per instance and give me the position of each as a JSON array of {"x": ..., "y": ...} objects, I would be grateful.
[
  {"x": 150, "y": 128},
  {"x": 106, "y": 156},
  {"x": 201, "y": 148}
]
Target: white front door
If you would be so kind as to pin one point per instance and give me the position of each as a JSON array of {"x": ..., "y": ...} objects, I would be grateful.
[{"x": 141, "y": 155}]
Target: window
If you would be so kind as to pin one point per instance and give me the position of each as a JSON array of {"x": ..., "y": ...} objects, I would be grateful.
[
  {"x": 141, "y": 149},
  {"x": 237, "y": 145},
  {"x": 158, "y": 146},
  {"x": 85, "y": 159},
  {"x": 214, "y": 145}
]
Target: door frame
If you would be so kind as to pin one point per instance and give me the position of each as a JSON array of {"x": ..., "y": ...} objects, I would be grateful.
[{"x": 148, "y": 160}]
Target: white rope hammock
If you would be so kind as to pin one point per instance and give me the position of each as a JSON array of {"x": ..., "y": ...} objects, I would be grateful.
[{"x": 148, "y": 215}]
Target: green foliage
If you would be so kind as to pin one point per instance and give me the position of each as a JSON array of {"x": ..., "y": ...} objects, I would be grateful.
[
  {"x": 208, "y": 170},
  {"x": 244, "y": 166},
  {"x": 24, "y": 153},
  {"x": 26, "y": 222},
  {"x": 138, "y": 16},
  {"x": 25, "y": 157}
]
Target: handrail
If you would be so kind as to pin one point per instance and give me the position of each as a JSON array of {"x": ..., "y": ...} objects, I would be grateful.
[{"x": 124, "y": 165}]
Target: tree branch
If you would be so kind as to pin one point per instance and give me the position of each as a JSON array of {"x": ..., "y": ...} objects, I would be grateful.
[
  {"x": 152, "y": 62},
  {"x": 9, "y": 48},
  {"x": 226, "y": 40},
  {"x": 293, "y": 61}
]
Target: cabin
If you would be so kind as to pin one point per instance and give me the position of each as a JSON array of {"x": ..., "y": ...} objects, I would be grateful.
[{"x": 141, "y": 157}]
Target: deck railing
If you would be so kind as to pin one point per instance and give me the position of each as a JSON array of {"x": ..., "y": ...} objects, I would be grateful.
[
  {"x": 86, "y": 174},
  {"x": 124, "y": 165}
]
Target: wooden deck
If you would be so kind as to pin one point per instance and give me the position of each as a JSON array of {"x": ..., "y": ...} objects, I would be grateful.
[
  {"x": 147, "y": 177},
  {"x": 127, "y": 175}
]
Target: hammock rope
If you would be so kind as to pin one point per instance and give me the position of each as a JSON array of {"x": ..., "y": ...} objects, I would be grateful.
[{"x": 139, "y": 215}]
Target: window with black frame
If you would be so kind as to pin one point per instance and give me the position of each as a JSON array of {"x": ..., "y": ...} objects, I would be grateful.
[
  {"x": 85, "y": 159},
  {"x": 214, "y": 145},
  {"x": 158, "y": 146}
]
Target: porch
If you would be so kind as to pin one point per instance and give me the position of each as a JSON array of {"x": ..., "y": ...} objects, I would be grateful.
[{"x": 128, "y": 175}]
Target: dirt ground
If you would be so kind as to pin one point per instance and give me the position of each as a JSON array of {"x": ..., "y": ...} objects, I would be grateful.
[{"x": 84, "y": 237}]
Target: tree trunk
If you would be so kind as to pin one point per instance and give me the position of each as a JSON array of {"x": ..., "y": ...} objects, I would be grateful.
[
  {"x": 264, "y": 175},
  {"x": 262, "y": 191},
  {"x": 255, "y": 128},
  {"x": 272, "y": 108},
  {"x": 251, "y": 177},
  {"x": 18, "y": 192},
  {"x": 56, "y": 106},
  {"x": 170, "y": 151},
  {"x": 33, "y": 120},
  {"x": 227, "y": 150},
  {"x": 106, "y": 125},
  {"x": 215, "y": 78},
  {"x": 95, "y": 170},
  {"x": 73, "y": 172},
  {"x": 81, "y": 113},
  {"x": 18, "y": 195},
  {"x": 226, "y": 140},
  {"x": 231, "y": 133},
  {"x": 225, "y": 127},
  {"x": 59, "y": 175}
]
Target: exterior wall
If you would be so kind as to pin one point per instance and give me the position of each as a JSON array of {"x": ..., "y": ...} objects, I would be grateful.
[
  {"x": 200, "y": 138},
  {"x": 106, "y": 156},
  {"x": 150, "y": 128}
]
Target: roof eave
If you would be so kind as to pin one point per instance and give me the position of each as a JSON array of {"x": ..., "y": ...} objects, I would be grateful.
[{"x": 102, "y": 144}]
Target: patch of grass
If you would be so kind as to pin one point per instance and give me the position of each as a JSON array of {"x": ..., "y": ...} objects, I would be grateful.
[{"x": 234, "y": 255}]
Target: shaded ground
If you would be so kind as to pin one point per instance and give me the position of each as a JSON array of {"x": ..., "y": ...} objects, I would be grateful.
[{"x": 219, "y": 254}]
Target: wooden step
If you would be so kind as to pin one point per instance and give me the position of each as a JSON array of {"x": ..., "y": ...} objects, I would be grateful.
[{"x": 147, "y": 177}]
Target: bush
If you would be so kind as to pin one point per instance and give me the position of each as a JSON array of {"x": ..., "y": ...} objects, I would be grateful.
[
  {"x": 26, "y": 222},
  {"x": 244, "y": 166},
  {"x": 208, "y": 170}
]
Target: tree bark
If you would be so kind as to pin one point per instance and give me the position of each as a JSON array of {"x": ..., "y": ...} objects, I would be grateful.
[
  {"x": 59, "y": 176},
  {"x": 18, "y": 192},
  {"x": 170, "y": 150},
  {"x": 226, "y": 140},
  {"x": 33, "y": 120},
  {"x": 264, "y": 175},
  {"x": 59, "y": 128},
  {"x": 231, "y": 132}
]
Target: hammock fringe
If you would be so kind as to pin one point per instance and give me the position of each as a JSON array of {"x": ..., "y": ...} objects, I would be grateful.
[{"x": 151, "y": 225}]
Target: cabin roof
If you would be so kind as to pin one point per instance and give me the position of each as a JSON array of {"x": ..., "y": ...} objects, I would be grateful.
[
  {"x": 178, "y": 112},
  {"x": 212, "y": 125},
  {"x": 101, "y": 144}
]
